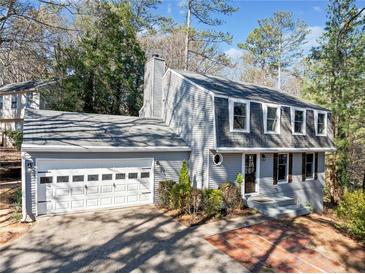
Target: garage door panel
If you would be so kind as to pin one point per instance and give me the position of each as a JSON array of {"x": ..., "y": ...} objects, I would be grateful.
[
  {"x": 64, "y": 205},
  {"x": 107, "y": 189},
  {"x": 77, "y": 204},
  {"x": 119, "y": 188},
  {"x": 106, "y": 201},
  {"x": 132, "y": 186},
  {"x": 92, "y": 190},
  {"x": 132, "y": 198},
  {"x": 120, "y": 199},
  {"x": 61, "y": 192},
  {"x": 92, "y": 202},
  {"x": 78, "y": 189}
]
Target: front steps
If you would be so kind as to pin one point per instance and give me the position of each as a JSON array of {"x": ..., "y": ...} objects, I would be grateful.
[{"x": 277, "y": 207}]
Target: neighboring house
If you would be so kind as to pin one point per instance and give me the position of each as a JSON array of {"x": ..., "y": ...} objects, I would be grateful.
[
  {"x": 78, "y": 161},
  {"x": 14, "y": 98}
]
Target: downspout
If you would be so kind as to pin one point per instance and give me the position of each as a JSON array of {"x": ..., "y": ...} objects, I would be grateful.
[{"x": 24, "y": 196}]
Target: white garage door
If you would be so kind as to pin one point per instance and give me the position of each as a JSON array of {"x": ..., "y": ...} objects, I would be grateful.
[{"x": 69, "y": 190}]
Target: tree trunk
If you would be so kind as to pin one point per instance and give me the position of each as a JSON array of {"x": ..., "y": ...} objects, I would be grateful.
[
  {"x": 187, "y": 37},
  {"x": 363, "y": 183}
]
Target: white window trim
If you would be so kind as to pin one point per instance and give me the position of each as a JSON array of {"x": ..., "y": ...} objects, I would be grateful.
[
  {"x": 313, "y": 165},
  {"x": 278, "y": 115},
  {"x": 231, "y": 104},
  {"x": 292, "y": 114},
  {"x": 316, "y": 112},
  {"x": 287, "y": 170}
]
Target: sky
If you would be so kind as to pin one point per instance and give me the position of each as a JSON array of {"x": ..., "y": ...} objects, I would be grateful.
[{"x": 245, "y": 19}]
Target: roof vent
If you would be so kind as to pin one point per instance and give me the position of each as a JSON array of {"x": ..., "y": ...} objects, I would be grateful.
[{"x": 155, "y": 55}]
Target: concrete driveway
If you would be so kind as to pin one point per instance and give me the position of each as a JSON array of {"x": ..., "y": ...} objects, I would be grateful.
[{"x": 138, "y": 239}]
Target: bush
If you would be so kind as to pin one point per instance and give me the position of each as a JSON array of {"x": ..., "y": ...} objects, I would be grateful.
[
  {"x": 239, "y": 180},
  {"x": 231, "y": 196},
  {"x": 213, "y": 202},
  {"x": 352, "y": 210},
  {"x": 184, "y": 174},
  {"x": 164, "y": 192},
  {"x": 180, "y": 196},
  {"x": 196, "y": 201}
]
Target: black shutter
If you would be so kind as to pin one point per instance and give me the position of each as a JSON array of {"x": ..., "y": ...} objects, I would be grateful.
[
  {"x": 290, "y": 177},
  {"x": 303, "y": 166},
  {"x": 316, "y": 166},
  {"x": 275, "y": 170}
]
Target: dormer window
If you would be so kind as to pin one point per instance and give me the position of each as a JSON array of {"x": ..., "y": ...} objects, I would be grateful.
[
  {"x": 298, "y": 117},
  {"x": 239, "y": 115},
  {"x": 320, "y": 120},
  {"x": 271, "y": 119}
]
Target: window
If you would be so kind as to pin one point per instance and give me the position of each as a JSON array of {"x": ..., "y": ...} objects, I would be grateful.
[
  {"x": 239, "y": 111},
  {"x": 321, "y": 123},
  {"x": 93, "y": 177},
  {"x": 132, "y": 175},
  {"x": 217, "y": 159},
  {"x": 282, "y": 167},
  {"x": 298, "y": 121},
  {"x": 45, "y": 180},
  {"x": 120, "y": 176},
  {"x": 62, "y": 179},
  {"x": 78, "y": 178},
  {"x": 145, "y": 175},
  {"x": 1, "y": 102},
  {"x": 107, "y": 177},
  {"x": 14, "y": 101},
  {"x": 309, "y": 166},
  {"x": 271, "y": 119},
  {"x": 29, "y": 99}
]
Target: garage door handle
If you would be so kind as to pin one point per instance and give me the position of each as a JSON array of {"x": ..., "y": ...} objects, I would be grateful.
[{"x": 146, "y": 192}]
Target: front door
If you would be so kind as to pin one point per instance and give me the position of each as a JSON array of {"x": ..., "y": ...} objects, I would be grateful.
[{"x": 250, "y": 173}]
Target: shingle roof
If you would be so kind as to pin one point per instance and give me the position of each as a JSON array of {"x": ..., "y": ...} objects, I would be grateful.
[
  {"x": 226, "y": 87},
  {"x": 56, "y": 128},
  {"x": 24, "y": 86}
]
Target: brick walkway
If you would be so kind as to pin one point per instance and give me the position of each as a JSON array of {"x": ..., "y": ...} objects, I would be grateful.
[{"x": 285, "y": 246}]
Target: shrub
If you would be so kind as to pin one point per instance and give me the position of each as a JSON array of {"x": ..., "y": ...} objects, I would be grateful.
[
  {"x": 184, "y": 174},
  {"x": 164, "y": 192},
  {"x": 239, "y": 180},
  {"x": 231, "y": 196},
  {"x": 180, "y": 196},
  {"x": 196, "y": 201},
  {"x": 213, "y": 202},
  {"x": 352, "y": 210}
]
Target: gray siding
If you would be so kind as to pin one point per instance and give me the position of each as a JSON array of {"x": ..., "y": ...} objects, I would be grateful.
[
  {"x": 189, "y": 111},
  {"x": 227, "y": 171},
  {"x": 257, "y": 138},
  {"x": 169, "y": 168},
  {"x": 307, "y": 192}
]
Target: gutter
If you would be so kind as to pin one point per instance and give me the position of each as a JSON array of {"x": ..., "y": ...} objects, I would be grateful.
[
  {"x": 274, "y": 149},
  {"x": 71, "y": 148}
]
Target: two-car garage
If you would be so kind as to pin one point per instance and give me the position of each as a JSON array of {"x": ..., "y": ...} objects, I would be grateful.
[
  {"x": 64, "y": 187},
  {"x": 76, "y": 161}
]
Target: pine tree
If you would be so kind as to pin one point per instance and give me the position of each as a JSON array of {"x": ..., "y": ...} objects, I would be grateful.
[
  {"x": 103, "y": 72},
  {"x": 184, "y": 174},
  {"x": 335, "y": 78}
]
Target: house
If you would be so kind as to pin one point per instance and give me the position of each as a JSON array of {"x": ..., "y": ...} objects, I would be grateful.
[
  {"x": 78, "y": 161},
  {"x": 14, "y": 98}
]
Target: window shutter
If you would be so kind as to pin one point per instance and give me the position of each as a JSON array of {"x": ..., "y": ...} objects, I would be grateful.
[
  {"x": 275, "y": 169},
  {"x": 316, "y": 166},
  {"x": 290, "y": 179},
  {"x": 303, "y": 167}
]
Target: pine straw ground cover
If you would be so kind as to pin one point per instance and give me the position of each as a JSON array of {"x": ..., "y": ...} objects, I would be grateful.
[
  {"x": 198, "y": 219},
  {"x": 10, "y": 214}
]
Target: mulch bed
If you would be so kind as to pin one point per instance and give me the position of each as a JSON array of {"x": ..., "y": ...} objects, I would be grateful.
[{"x": 193, "y": 220}]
